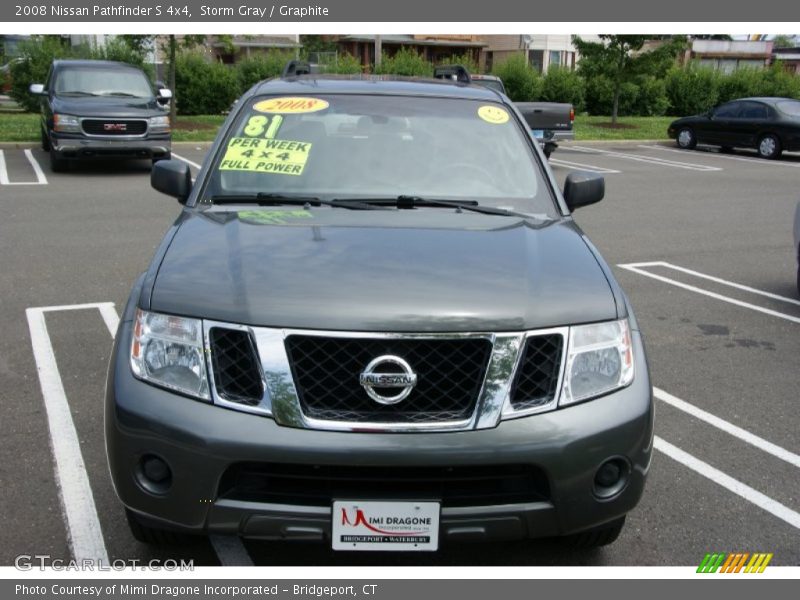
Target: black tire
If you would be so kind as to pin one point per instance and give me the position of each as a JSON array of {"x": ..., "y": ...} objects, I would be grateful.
[
  {"x": 597, "y": 537},
  {"x": 153, "y": 536},
  {"x": 167, "y": 156},
  {"x": 686, "y": 138},
  {"x": 45, "y": 141},
  {"x": 769, "y": 146},
  {"x": 57, "y": 163}
]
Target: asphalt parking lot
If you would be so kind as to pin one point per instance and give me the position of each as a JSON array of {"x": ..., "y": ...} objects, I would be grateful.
[{"x": 700, "y": 241}]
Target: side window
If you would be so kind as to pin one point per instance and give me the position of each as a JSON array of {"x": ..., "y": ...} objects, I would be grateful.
[
  {"x": 753, "y": 110},
  {"x": 728, "y": 111},
  {"x": 48, "y": 83}
]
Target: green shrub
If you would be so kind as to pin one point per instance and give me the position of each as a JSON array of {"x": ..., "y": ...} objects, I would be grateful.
[
  {"x": 253, "y": 69},
  {"x": 38, "y": 53},
  {"x": 600, "y": 96},
  {"x": 692, "y": 90},
  {"x": 562, "y": 84},
  {"x": 651, "y": 101},
  {"x": 464, "y": 60},
  {"x": 405, "y": 62},
  {"x": 523, "y": 84},
  {"x": 345, "y": 64},
  {"x": 202, "y": 87},
  {"x": 741, "y": 83}
]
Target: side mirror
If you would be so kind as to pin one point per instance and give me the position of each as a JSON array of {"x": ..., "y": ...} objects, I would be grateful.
[
  {"x": 582, "y": 189},
  {"x": 37, "y": 89},
  {"x": 164, "y": 95},
  {"x": 173, "y": 178}
]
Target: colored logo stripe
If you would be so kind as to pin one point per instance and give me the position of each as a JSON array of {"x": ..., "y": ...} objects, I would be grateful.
[{"x": 733, "y": 563}]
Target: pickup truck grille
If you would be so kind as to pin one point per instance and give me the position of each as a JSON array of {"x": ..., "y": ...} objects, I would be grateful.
[
  {"x": 326, "y": 370},
  {"x": 234, "y": 359},
  {"x": 536, "y": 382},
  {"x": 113, "y": 127}
]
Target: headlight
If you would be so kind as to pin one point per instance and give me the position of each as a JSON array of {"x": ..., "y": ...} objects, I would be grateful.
[
  {"x": 599, "y": 360},
  {"x": 159, "y": 124},
  {"x": 66, "y": 123},
  {"x": 168, "y": 351}
]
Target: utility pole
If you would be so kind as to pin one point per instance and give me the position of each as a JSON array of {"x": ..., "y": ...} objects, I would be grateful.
[{"x": 378, "y": 50}]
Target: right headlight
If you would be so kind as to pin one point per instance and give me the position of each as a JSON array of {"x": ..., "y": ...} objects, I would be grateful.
[
  {"x": 599, "y": 360},
  {"x": 66, "y": 123},
  {"x": 168, "y": 351}
]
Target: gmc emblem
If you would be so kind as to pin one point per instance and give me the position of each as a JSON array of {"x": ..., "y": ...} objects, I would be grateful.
[{"x": 115, "y": 126}]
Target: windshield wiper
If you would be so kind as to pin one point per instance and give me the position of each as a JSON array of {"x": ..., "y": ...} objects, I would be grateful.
[
  {"x": 404, "y": 202},
  {"x": 76, "y": 93},
  {"x": 122, "y": 94},
  {"x": 271, "y": 199}
]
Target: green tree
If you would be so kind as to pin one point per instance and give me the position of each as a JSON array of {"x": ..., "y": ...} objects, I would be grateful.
[
  {"x": 783, "y": 41},
  {"x": 622, "y": 59},
  {"x": 523, "y": 84}
]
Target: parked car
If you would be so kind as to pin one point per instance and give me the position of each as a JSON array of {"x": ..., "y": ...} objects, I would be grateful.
[
  {"x": 770, "y": 125},
  {"x": 797, "y": 242},
  {"x": 376, "y": 323},
  {"x": 549, "y": 122},
  {"x": 97, "y": 109}
]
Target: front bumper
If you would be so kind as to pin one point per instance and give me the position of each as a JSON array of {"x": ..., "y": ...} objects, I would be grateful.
[
  {"x": 85, "y": 147},
  {"x": 201, "y": 441}
]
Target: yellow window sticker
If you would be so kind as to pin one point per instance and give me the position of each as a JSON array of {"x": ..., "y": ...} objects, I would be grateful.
[
  {"x": 493, "y": 114},
  {"x": 259, "y": 155},
  {"x": 291, "y": 105}
]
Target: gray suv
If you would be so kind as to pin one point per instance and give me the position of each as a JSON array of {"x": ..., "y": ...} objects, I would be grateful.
[{"x": 376, "y": 324}]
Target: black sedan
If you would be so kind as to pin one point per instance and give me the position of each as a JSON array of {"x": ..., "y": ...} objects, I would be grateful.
[{"x": 770, "y": 125}]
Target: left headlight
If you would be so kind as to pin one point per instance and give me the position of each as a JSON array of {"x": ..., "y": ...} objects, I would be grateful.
[
  {"x": 159, "y": 124},
  {"x": 168, "y": 351},
  {"x": 599, "y": 360}
]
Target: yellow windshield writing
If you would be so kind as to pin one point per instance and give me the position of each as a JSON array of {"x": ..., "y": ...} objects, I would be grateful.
[{"x": 259, "y": 155}]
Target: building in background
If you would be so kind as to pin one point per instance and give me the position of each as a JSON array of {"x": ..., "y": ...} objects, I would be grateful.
[
  {"x": 433, "y": 48},
  {"x": 729, "y": 55},
  {"x": 541, "y": 51},
  {"x": 788, "y": 58}
]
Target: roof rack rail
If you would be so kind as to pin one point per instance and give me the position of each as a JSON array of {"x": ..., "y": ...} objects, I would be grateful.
[
  {"x": 457, "y": 73},
  {"x": 295, "y": 67}
]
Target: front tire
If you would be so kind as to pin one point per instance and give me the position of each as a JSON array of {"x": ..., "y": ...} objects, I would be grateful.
[
  {"x": 57, "y": 163},
  {"x": 45, "y": 141},
  {"x": 769, "y": 147},
  {"x": 686, "y": 138}
]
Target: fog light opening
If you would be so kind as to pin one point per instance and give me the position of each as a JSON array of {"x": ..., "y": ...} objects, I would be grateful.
[
  {"x": 153, "y": 474},
  {"x": 611, "y": 478}
]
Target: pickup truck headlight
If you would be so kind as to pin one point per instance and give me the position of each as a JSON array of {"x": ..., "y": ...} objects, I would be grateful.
[
  {"x": 66, "y": 123},
  {"x": 159, "y": 124},
  {"x": 599, "y": 360},
  {"x": 168, "y": 351}
]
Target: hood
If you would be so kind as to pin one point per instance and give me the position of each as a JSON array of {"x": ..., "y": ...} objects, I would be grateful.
[
  {"x": 107, "y": 106},
  {"x": 423, "y": 270}
]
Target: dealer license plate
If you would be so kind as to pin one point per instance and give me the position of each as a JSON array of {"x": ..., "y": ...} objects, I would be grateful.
[
  {"x": 395, "y": 526},
  {"x": 538, "y": 134}
]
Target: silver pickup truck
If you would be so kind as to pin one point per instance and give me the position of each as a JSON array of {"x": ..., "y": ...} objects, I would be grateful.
[{"x": 549, "y": 122}]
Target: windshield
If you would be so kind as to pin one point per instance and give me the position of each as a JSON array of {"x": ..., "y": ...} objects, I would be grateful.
[
  {"x": 492, "y": 84},
  {"x": 376, "y": 147},
  {"x": 103, "y": 82}
]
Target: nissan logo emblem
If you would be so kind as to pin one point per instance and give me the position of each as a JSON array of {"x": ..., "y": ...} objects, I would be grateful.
[{"x": 373, "y": 378}]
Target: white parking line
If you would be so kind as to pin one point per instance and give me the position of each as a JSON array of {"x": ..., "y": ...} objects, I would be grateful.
[
  {"x": 729, "y": 483},
  {"x": 637, "y": 268},
  {"x": 758, "y": 161},
  {"x": 582, "y": 166},
  {"x": 191, "y": 163},
  {"x": 85, "y": 536},
  {"x": 728, "y": 427},
  {"x": 40, "y": 177},
  {"x": 83, "y": 525},
  {"x": 647, "y": 159}
]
